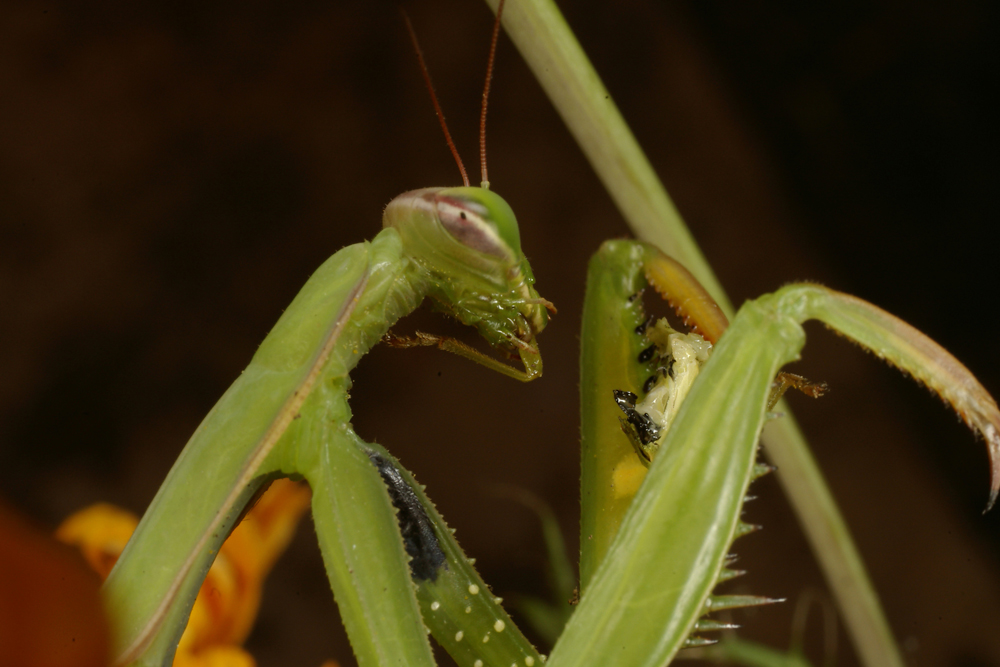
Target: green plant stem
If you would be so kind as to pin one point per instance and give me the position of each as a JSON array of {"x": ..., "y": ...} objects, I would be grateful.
[
  {"x": 560, "y": 65},
  {"x": 564, "y": 71}
]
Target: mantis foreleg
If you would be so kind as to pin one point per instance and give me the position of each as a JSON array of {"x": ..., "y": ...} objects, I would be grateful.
[
  {"x": 297, "y": 384},
  {"x": 655, "y": 580}
]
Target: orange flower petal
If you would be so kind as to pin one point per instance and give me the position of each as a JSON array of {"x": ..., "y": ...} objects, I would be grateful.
[
  {"x": 50, "y": 607},
  {"x": 100, "y": 532},
  {"x": 227, "y": 604}
]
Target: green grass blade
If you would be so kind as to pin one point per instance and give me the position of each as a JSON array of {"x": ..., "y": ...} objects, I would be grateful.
[
  {"x": 548, "y": 617},
  {"x": 830, "y": 538},
  {"x": 560, "y": 65},
  {"x": 733, "y": 650}
]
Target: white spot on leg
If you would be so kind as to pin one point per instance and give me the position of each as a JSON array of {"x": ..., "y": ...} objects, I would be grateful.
[
  {"x": 499, "y": 625},
  {"x": 435, "y": 605},
  {"x": 468, "y": 610},
  {"x": 529, "y": 661},
  {"x": 473, "y": 589},
  {"x": 459, "y": 635},
  {"x": 486, "y": 637},
  {"x": 477, "y": 663}
]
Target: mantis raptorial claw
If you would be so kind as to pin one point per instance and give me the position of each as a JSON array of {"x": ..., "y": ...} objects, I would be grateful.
[
  {"x": 706, "y": 458},
  {"x": 677, "y": 286},
  {"x": 447, "y": 243}
]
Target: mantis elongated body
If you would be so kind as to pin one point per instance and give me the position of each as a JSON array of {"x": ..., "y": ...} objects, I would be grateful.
[
  {"x": 288, "y": 412},
  {"x": 293, "y": 452}
]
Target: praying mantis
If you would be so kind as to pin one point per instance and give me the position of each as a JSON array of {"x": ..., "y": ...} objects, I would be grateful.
[{"x": 382, "y": 380}]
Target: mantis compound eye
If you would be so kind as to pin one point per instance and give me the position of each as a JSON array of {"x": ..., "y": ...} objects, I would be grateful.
[{"x": 466, "y": 221}]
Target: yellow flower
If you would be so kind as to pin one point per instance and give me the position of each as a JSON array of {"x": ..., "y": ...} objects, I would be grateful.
[{"x": 227, "y": 603}]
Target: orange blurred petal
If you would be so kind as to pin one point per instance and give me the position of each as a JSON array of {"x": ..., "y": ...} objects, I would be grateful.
[
  {"x": 50, "y": 606},
  {"x": 100, "y": 532},
  {"x": 227, "y": 604},
  {"x": 215, "y": 656},
  {"x": 230, "y": 596}
]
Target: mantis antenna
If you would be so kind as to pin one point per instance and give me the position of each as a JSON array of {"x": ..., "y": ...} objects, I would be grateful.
[
  {"x": 485, "y": 184},
  {"x": 434, "y": 99}
]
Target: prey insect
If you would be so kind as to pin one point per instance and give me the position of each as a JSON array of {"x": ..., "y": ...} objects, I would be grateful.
[
  {"x": 287, "y": 415},
  {"x": 672, "y": 362}
]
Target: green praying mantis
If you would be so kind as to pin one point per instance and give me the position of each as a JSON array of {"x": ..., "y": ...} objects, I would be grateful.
[{"x": 388, "y": 537}]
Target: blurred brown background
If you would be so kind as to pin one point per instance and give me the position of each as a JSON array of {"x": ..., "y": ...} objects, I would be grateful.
[{"x": 171, "y": 173}]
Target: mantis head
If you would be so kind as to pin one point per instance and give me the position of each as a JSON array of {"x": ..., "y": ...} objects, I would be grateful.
[{"x": 466, "y": 241}]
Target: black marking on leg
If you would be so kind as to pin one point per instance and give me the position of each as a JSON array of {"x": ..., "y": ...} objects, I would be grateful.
[{"x": 419, "y": 539}]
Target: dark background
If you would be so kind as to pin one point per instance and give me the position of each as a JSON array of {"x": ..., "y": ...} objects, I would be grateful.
[{"x": 171, "y": 173}]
